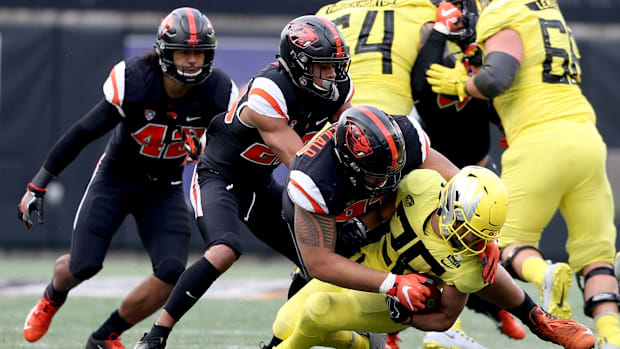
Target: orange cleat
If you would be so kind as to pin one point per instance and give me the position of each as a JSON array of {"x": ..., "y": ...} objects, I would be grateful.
[
  {"x": 39, "y": 319},
  {"x": 568, "y": 333},
  {"x": 113, "y": 342},
  {"x": 509, "y": 326},
  {"x": 392, "y": 341}
]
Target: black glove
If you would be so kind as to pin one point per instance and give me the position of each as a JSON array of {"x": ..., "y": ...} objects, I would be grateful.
[
  {"x": 31, "y": 202},
  {"x": 351, "y": 236},
  {"x": 192, "y": 144},
  {"x": 399, "y": 313}
]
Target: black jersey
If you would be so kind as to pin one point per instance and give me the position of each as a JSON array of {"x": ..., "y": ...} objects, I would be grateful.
[
  {"x": 148, "y": 140},
  {"x": 238, "y": 152},
  {"x": 458, "y": 129},
  {"x": 317, "y": 184}
]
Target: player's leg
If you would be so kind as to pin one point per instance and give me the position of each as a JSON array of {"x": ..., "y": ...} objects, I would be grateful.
[
  {"x": 221, "y": 227},
  {"x": 99, "y": 215},
  {"x": 326, "y": 315},
  {"x": 504, "y": 321},
  {"x": 588, "y": 210},
  {"x": 534, "y": 194},
  {"x": 505, "y": 293},
  {"x": 163, "y": 222}
]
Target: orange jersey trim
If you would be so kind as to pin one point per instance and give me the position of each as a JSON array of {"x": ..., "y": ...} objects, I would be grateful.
[
  {"x": 317, "y": 208},
  {"x": 266, "y": 96}
]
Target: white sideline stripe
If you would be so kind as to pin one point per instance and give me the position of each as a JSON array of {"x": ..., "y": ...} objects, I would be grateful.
[{"x": 114, "y": 287}]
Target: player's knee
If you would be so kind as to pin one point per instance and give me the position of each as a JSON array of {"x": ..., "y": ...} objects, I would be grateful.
[
  {"x": 599, "y": 297},
  {"x": 169, "y": 270},
  {"x": 507, "y": 259},
  {"x": 315, "y": 312},
  {"x": 230, "y": 240},
  {"x": 85, "y": 272}
]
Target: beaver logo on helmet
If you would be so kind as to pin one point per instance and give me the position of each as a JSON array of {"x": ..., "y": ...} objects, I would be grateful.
[
  {"x": 302, "y": 35},
  {"x": 357, "y": 141}
]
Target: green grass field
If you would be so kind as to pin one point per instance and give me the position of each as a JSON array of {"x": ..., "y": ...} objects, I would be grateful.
[{"x": 212, "y": 323}]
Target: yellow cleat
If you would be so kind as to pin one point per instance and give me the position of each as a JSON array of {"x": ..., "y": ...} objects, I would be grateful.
[{"x": 555, "y": 287}]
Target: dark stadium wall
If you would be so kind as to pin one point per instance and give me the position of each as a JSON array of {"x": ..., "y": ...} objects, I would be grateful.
[{"x": 51, "y": 75}]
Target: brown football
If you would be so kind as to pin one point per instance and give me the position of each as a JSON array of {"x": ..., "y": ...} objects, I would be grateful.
[{"x": 433, "y": 300}]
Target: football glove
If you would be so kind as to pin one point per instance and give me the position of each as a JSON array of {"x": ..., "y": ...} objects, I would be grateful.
[
  {"x": 31, "y": 202},
  {"x": 398, "y": 312},
  {"x": 446, "y": 17},
  {"x": 351, "y": 236},
  {"x": 448, "y": 81},
  {"x": 489, "y": 259},
  {"x": 193, "y": 145},
  {"x": 409, "y": 290}
]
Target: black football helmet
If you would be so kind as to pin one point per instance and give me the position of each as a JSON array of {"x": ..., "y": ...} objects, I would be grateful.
[
  {"x": 311, "y": 39},
  {"x": 469, "y": 10},
  {"x": 371, "y": 148},
  {"x": 185, "y": 28}
]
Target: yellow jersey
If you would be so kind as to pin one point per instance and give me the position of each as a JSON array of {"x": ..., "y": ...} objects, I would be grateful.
[
  {"x": 413, "y": 246},
  {"x": 546, "y": 86},
  {"x": 382, "y": 38}
]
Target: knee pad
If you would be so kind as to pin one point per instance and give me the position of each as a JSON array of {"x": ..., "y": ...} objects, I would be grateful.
[
  {"x": 507, "y": 264},
  {"x": 85, "y": 273},
  {"x": 600, "y": 297},
  {"x": 317, "y": 307},
  {"x": 169, "y": 270}
]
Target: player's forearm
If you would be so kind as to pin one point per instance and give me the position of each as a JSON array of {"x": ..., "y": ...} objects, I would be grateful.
[
  {"x": 340, "y": 271},
  {"x": 284, "y": 144}
]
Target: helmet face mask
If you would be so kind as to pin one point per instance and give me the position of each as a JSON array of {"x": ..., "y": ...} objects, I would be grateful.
[
  {"x": 311, "y": 43},
  {"x": 472, "y": 209},
  {"x": 186, "y": 29},
  {"x": 370, "y": 148}
]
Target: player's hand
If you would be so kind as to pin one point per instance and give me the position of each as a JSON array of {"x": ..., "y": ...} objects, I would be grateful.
[
  {"x": 351, "y": 236},
  {"x": 410, "y": 291},
  {"x": 448, "y": 81},
  {"x": 489, "y": 259},
  {"x": 31, "y": 202},
  {"x": 446, "y": 17},
  {"x": 398, "y": 312},
  {"x": 193, "y": 144}
]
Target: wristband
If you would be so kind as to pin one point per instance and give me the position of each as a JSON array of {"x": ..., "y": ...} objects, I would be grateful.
[{"x": 387, "y": 284}]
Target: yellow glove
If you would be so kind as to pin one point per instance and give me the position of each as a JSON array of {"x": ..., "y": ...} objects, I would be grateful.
[{"x": 448, "y": 81}]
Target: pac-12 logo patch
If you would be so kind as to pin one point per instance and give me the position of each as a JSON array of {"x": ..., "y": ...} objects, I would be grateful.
[
  {"x": 302, "y": 35},
  {"x": 149, "y": 114}
]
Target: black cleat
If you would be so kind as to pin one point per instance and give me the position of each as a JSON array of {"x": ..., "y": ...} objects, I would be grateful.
[{"x": 150, "y": 343}]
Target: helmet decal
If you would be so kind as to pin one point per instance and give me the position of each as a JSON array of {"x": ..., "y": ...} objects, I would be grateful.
[
  {"x": 388, "y": 136},
  {"x": 339, "y": 49},
  {"x": 191, "y": 20},
  {"x": 166, "y": 24},
  {"x": 302, "y": 35},
  {"x": 357, "y": 141}
]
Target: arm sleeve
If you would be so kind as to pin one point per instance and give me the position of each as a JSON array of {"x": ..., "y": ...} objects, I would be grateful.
[
  {"x": 97, "y": 122},
  {"x": 432, "y": 52}
]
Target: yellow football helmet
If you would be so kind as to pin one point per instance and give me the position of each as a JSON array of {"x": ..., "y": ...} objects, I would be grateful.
[{"x": 473, "y": 201}]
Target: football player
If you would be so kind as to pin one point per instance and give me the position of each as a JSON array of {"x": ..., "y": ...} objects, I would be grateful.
[
  {"x": 446, "y": 120},
  {"x": 283, "y": 106},
  {"x": 555, "y": 159},
  {"x": 440, "y": 229},
  {"x": 158, "y": 104}
]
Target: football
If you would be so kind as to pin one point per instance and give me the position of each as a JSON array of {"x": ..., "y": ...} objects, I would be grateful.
[{"x": 433, "y": 300}]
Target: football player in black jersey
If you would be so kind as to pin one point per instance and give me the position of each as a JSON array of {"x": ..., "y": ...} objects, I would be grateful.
[
  {"x": 283, "y": 106},
  {"x": 158, "y": 105}
]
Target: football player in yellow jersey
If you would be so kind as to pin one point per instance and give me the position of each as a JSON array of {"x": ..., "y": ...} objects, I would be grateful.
[
  {"x": 438, "y": 230},
  {"x": 556, "y": 156},
  {"x": 383, "y": 39}
]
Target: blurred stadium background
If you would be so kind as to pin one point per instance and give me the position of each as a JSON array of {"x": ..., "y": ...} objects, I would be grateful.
[{"x": 54, "y": 58}]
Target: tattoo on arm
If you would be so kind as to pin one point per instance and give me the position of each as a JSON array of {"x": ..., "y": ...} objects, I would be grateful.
[{"x": 315, "y": 230}]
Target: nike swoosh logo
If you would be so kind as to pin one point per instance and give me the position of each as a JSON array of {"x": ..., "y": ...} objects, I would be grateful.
[
  {"x": 193, "y": 118},
  {"x": 445, "y": 13},
  {"x": 190, "y": 295},
  {"x": 26, "y": 327},
  {"x": 405, "y": 291},
  {"x": 320, "y": 121},
  {"x": 561, "y": 303}
]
